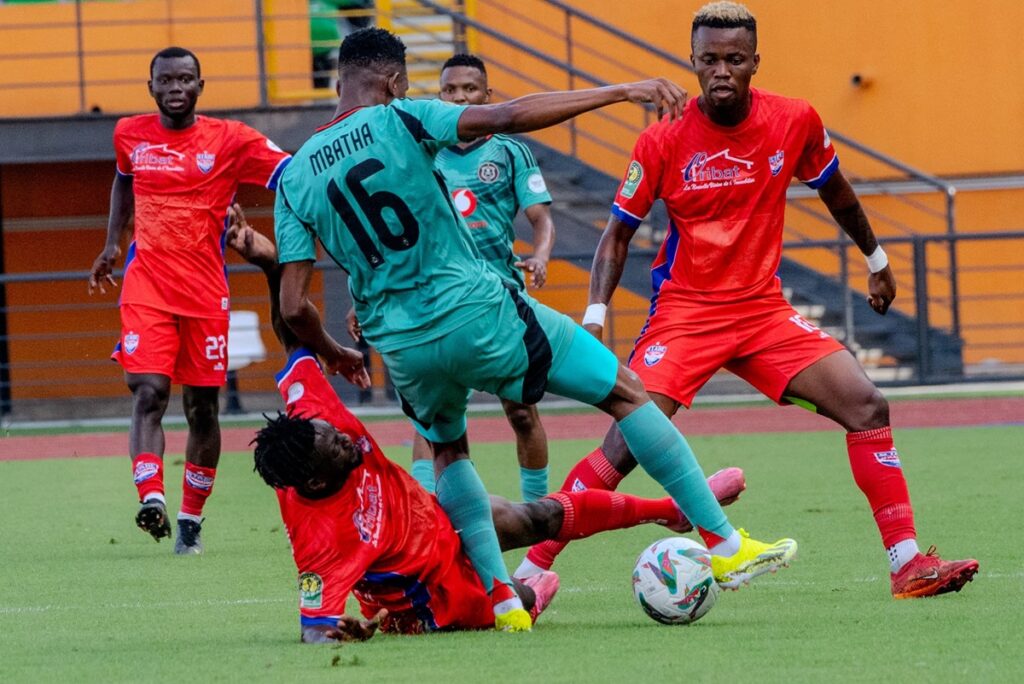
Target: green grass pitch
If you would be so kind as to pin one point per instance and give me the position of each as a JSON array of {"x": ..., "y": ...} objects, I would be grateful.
[{"x": 86, "y": 597}]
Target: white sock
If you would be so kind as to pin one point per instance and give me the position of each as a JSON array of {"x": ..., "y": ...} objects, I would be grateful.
[
  {"x": 156, "y": 496},
  {"x": 527, "y": 569},
  {"x": 508, "y": 604},
  {"x": 727, "y": 546},
  {"x": 902, "y": 553},
  {"x": 189, "y": 516}
]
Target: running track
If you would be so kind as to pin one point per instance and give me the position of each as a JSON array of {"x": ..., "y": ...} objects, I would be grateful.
[{"x": 588, "y": 425}]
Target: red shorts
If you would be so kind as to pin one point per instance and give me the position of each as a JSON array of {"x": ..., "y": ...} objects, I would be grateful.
[
  {"x": 447, "y": 596},
  {"x": 764, "y": 341},
  {"x": 191, "y": 351}
]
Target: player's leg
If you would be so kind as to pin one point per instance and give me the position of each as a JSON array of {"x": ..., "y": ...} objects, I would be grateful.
[
  {"x": 837, "y": 388},
  {"x": 201, "y": 368},
  {"x": 423, "y": 462},
  {"x": 663, "y": 452},
  {"x": 147, "y": 351},
  {"x": 150, "y": 393},
  {"x": 202, "y": 454},
  {"x": 531, "y": 448},
  {"x": 432, "y": 386}
]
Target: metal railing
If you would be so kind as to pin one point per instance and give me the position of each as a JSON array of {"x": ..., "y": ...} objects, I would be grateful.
[{"x": 30, "y": 385}]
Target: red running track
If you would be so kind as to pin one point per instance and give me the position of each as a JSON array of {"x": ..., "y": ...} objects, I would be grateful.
[{"x": 587, "y": 425}]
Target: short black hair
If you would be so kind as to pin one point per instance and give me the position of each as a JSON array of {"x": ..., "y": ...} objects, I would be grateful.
[
  {"x": 463, "y": 60},
  {"x": 724, "y": 15},
  {"x": 284, "y": 455},
  {"x": 171, "y": 53},
  {"x": 371, "y": 48}
]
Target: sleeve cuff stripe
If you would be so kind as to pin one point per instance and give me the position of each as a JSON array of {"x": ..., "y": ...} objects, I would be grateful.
[
  {"x": 626, "y": 217},
  {"x": 825, "y": 174}
]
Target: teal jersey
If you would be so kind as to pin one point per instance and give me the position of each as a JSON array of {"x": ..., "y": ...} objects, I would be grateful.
[
  {"x": 490, "y": 181},
  {"x": 365, "y": 188}
]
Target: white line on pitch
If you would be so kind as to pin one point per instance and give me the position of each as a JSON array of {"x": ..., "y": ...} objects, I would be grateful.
[{"x": 8, "y": 610}]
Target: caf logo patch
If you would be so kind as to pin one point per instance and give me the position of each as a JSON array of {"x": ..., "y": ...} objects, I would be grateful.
[
  {"x": 488, "y": 172},
  {"x": 311, "y": 590},
  {"x": 634, "y": 174}
]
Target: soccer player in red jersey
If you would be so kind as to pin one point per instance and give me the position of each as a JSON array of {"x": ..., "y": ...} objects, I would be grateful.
[
  {"x": 723, "y": 171},
  {"x": 359, "y": 523},
  {"x": 178, "y": 172}
]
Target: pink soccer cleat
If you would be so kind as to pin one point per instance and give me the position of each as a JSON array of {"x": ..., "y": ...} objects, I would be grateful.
[{"x": 545, "y": 586}]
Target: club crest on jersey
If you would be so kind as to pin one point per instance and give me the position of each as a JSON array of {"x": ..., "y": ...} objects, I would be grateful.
[
  {"x": 706, "y": 171},
  {"x": 775, "y": 162},
  {"x": 311, "y": 590},
  {"x": 634, "y": 174},
  {"x": 654, "y": 354},
  {"x": 205, "y": 160},
  {"x": 488, "y": 172},
  {"x": 888, "y": 458},
  {"x": 465, "y": 201},
  {"x": 147, "y": 157},
  {"x": 131, "y": 342}
]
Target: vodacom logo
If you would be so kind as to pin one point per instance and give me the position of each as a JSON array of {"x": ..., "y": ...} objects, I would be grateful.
[{"x": 465, "y": 201}]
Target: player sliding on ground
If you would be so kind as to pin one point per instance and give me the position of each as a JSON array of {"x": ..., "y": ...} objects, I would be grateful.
[
  {"x": 364, "y": 187},
  {"x": 359, "y": 523},
  {"x": 723, "y": 171}
]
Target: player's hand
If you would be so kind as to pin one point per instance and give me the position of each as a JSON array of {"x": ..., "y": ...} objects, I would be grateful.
[
  {"x": 881, "y": 290},
  {"x": 354, "y": 629},
  {"x": 595, "y": 330},
  {"x": 537, "y": 268},
  {"x": 103, "y": 269},
  {"x": 349, "y": 363},
  {"x": 355, "y": 331},
  {"x": 254, "y": 247},
  {"x": 665, "y": 95}
]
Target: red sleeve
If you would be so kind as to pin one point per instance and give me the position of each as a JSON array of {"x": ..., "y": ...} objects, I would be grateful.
[
  {"x": 260, "y": 161},
  {"x": 639, "y": 187},
  {"x": 121, "y": 148},
  {"x": 328, "y": 569},
  {"x": 818, "y": 159}
]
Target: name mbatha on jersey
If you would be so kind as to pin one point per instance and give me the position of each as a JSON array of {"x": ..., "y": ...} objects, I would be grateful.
[{"x": 339, "y": 148}]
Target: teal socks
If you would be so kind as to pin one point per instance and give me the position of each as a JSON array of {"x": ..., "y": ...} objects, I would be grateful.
[
  {"x": 423, "y": 472},
  {"x": 463, "y": 497},
  {"x": 533, "y": 483},
  {"x": 664, "y": 454}
]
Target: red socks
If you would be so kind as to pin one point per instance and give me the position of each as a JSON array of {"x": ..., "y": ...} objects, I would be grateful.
[
  {"x": 148, "y": 471},
  {"x": 591, "y": 511},
  {"x": 196, "y": 487},
  {"x": 593, "y": 472},
  {"x": 877, "y": 471}
]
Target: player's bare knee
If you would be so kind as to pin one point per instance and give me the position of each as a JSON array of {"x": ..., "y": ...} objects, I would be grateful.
[
  {"x": 630, "y": 388},
  {"x": 871, "y": 411},
  {"x": 149, "y": 398},
  {"x": 522, "y": 419}
]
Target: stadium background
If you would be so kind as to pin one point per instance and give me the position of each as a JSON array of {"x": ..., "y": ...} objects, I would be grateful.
[{"x": 918, "y": 91}]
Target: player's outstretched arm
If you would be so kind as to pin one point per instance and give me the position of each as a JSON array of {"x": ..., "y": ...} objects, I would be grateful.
[
  {"x": 842, "y": 202},
  {"x": 606, "y": 271},
  {"x": 122, "y": 203},
  {"x": 540, "y": 110}
]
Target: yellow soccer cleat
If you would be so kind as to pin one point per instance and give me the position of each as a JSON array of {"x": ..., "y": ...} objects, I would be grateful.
[
  {"x": 754, "y": 558},
  {"x": 515, "y": 620}
]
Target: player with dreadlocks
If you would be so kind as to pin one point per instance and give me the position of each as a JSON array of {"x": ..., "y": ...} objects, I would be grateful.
[{"x": 359, "y": 523}]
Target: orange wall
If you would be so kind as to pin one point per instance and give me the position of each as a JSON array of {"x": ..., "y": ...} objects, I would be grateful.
[
  {"x": 945, "y": 93},
  {"x": 39, "y": 67}
]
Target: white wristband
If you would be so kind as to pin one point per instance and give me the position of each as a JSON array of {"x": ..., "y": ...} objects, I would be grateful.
[
  {"x": 595, "y": 314},
  {"x": 877, "y": 260}
]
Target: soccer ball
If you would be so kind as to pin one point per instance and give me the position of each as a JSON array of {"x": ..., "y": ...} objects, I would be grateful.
[{"x": 673, "y": 583}]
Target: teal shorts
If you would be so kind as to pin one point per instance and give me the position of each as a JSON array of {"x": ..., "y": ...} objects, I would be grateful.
[{"x": 518, "y": 350}]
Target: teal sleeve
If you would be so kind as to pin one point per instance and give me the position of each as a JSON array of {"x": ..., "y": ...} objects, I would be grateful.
[
  {"x": 530, "y": 186},
  {"x": 295, "y": 239},
  {"x": 435, "y": 124}
]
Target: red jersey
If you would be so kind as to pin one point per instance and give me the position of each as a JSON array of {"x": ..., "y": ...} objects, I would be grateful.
[
  {"x": 184, "y": 182},
  {"x": 378, "y": 537},
  {"x": 725, "y": 191}
]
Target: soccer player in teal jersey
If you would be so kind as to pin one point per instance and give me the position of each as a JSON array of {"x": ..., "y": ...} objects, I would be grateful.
[
  {"x": 364, "y": 186},
  {"x": 490, "y": 179}
]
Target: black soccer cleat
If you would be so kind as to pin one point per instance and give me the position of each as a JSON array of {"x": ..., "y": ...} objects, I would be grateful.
[
  {"x": 188, "y": 542},
  {"x": 152, "y": 518}
]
